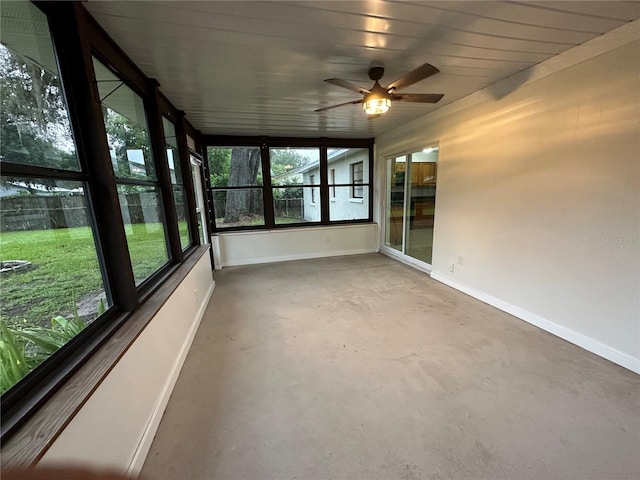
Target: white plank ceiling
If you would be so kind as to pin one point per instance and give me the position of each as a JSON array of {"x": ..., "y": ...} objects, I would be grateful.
[{"x": 257, "y": 68}]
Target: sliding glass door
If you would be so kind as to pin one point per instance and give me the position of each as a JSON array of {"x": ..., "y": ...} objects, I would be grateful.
[{"x": 410, "y": 205}]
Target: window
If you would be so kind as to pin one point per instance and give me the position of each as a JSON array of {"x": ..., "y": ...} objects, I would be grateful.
[
  {"x": 196, "y": 175},
  {"x": 349, "y": 183},
  {"x": 356, "y": 179},
  {"x": 235, "y": 175},
  {"x": 293, "y": 176},
  {"x": 75, "y": 262},
  {"x": 138, "y": 187},
  {"x": 51, "y": 279},
  {"x": 411, "y": 202},
  {"x": 308, "y": 183},
  {"x": 175, "y": 172}
]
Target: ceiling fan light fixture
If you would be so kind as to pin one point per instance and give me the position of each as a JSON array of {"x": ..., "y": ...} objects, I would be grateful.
[{"x": 376, "y": 106}]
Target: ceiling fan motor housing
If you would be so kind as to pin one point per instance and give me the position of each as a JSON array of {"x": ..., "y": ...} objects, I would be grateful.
[
  {"x": 376, "y": 73},
  {"x": 377, "y": 91}
]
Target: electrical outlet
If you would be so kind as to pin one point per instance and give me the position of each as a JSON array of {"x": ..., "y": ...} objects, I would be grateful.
[
  {"x": 460, "y": 260},
  {"x": 452, "y": 267}
]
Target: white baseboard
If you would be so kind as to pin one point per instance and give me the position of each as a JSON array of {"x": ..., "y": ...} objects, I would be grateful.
[
  {"x": 140, "y": 455},
  {"x": 407, "y": 260},
  {"x": 588, "y": 343}
]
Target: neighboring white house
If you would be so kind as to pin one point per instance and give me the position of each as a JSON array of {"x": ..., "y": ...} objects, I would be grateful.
[{"x": 347, "y": 170}]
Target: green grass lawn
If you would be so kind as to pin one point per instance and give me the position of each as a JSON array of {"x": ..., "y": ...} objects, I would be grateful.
[
  {"x": 64, "y": 272},
  {"x": 65, "y": 269},
  {"x": 147, "y": 248}
]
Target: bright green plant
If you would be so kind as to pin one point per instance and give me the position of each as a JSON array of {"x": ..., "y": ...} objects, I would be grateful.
[
  {"x": 14, "y": 362},
  {"x": 23, "y": 349},
  {"x": 48, "y": 340}
]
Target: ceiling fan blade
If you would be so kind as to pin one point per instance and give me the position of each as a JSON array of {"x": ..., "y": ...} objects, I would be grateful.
[
  {"x": 413, "y": 76},
  {"x": 348, "y": 85},
  {"x": 417, "y": 97},
  {"x": 339, "y": 105}
]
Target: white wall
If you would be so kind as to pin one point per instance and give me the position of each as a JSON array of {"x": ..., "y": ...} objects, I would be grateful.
[
  {"x": 264, "y": 246},
  {"x": 539, "y": 193},
  {"x": 116, "y": 426}
]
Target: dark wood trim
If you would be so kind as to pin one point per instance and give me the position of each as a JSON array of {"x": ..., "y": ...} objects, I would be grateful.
[
  {"x": 158, "y": 147},
  {"x": 30, "y": 404},
  {"x": 267, "y": 190},
  {"x": 168, "y": 110},
  {"x": 32, "y": 171},
  {"x": 74, "y": 56},
  {"x": 32, "y": 440},
  {"x": 187, "y": 179},
  {"x": 76, "y": 70},
  {"x": 231, "y": 141},
  {"x": 265, "y": 143},
  {"x": 245, "y": 187},
  {"x": 192, "y": 132},
  {"x": 206, "y": 180},
  {"x": 242, "y": 141},
  {"x": 324, "y": 184},
  {"x": 108, "y": 51}
]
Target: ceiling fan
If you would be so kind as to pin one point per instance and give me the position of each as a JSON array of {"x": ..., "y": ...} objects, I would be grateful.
[{"x": 377, "y": 99}]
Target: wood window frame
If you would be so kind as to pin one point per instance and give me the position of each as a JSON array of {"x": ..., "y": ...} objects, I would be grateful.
[
  {"x": 38, "y": 408},
  {"x": 265, "y": 143}
]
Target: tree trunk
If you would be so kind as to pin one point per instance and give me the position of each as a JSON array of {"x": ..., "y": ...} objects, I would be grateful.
[{"x": 245, "y": 163}]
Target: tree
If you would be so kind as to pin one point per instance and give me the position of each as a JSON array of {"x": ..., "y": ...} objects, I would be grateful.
[
  {"x": 123, "y": 135},
  {"x": 240, "y": 167},
  {"x": 34, "y": 124},
  {"x": 284, "y": 173},
  {"x": 219, "y": 165},
  {"x": 244, "y": 166},
  {"x": 285, "y": 162}
]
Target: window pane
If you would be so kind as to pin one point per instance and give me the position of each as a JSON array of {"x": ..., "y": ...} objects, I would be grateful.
[
  {"x": 51, "y": 280},
  {"x": 235, "y": 166},
  {"x": 356, "y": 180},
  {"x": 421, "y": 198},
  {"x": 296, "y": 204},
  {"x": 173, "y": 155},
  {"x": 175, "y": 172},
  {"x": 240, "y": 207},
  {"x": 34, "y": 123},
  {"x": 294, "y": 166},
  {"x": 196, "y": 175},
  {"x": 395, "y": 212},
  {"x": 146, "y": 239},
  {"x": 345, "y": 207},
  {"x": 126, "y": 124},
  {"x": 183, "y": 215},
  {"x": 343, "y": 161}
]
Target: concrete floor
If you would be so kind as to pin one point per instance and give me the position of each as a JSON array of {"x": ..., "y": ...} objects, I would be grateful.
[{"x": 363, "y": 368}]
